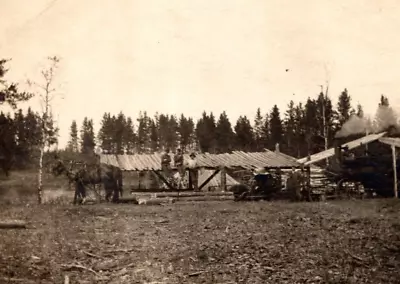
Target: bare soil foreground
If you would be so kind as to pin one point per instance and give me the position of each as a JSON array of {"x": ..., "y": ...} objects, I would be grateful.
[{"x": 204, "y": 242}]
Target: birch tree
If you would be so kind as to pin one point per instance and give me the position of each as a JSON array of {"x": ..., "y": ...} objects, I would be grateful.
[{"x": 47, "y": 93}]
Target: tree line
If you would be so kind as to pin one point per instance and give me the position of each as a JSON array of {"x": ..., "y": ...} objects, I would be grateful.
[
  {"x": 302, "y": 129},
  {"x": 22, "y": 135}
]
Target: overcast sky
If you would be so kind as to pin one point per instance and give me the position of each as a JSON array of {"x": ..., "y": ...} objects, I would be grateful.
[{"x": 189, "y": 56}]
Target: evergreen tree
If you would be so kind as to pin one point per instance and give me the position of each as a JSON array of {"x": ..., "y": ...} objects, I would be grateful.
[
  {"x": 193, "y": 141},
  {"x": 9, "y": 91},
  {"x": 154, "y": 136},
  {"x": 49, "y": 129},
  {"x": 258, "y": 131},
  {"x": 172, "y": 135},
  {"x": 73, "y": 143},
  {"x": 129, "y": 136},
  {"x": 186, "y": 130},
  {"x": 211, "y": 126},
  {"x": 105, "y": 133},
  {"x": 290, "y": 129},
  {"x": 205, "y": 132},
  {"x": 87, "y": 137},
  {"x": 276, "y": 127},
  {"x": 244, "y": 134},
  {"x": 8, "y": 142},
  {"x": 360, "y": 111},
  {"x": 311, "y": 126},
  {"x": 32, "y": 129},
  {"x": 22, "y": 148},
  {"x": 300, "y": 131},
  {"x": 163, "y": 128},
  {"x": 224, "y": 135},
  {"x": 119, "y": 129},
  {"x": 143, "y": 133},
  {"x": 266, "y": 133},
  {"x": 344, "y": 107}
]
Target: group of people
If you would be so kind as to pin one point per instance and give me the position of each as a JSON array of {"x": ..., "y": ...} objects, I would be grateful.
[{"x": 181, "y": 165}]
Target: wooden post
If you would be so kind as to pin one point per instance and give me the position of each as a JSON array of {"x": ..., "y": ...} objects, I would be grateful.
[
  {"x": 309, "y": 183},
  {"x": 223, "y": 179},
  {"x": 394, "y": 171},
  {"x": 190, "y": 179}
]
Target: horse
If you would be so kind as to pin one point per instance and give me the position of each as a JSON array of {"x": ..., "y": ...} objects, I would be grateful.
[{"x": 91, "y": 175}]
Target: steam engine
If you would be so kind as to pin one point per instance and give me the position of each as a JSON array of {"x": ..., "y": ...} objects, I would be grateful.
[{"x": 370, "y": 165}]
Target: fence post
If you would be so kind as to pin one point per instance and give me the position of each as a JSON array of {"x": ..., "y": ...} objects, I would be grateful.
[{"x": 223, "y": 178}]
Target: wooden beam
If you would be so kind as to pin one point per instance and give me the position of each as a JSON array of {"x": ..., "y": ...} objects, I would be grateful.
[
  {"x": 390, "y": 141},
  {"x": 190, "y": 179},
  {"x": 308, "y": 183},
  {"x": 223, "y": 179},
  {"x": 286, "y": 167},
  {"x": 160, "y": 176},
  {"x": 394, "y": 171},
  {"x": 208, "y": 179},
  {"x": 13, "y": 225}
]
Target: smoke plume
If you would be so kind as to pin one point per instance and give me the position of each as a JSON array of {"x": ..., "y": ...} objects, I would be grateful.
[
  {"x": 385, "y": 117},
  {"x": 355, "y": 125}
]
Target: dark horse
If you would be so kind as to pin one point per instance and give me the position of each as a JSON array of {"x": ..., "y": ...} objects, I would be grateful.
[{"x": 91, "y": 175}]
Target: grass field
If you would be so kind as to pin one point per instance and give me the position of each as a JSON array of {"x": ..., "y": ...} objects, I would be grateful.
[{"x": 203, "y": 242}]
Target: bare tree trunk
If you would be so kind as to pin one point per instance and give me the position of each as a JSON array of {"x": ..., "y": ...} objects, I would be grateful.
[
  {"x": 47, "y": 97},
  {"x": 42, "y": 149},
  {"x": 325, "y": 126},
  {"x": 40, "y": 179}
]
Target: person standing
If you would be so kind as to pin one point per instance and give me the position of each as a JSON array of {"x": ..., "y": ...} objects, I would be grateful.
[
  {"x": 178, "y": 161},
  {"x": 166, "y": 162},
  {"x": 166, "y": 166},
  {"x": 293, "y": 185},
  {"x": 80, "y": 188},
  {"x": 193, "y": 171}
]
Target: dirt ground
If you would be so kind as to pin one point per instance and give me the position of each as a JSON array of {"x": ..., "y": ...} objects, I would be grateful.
[{"x": 204, "y": 242}]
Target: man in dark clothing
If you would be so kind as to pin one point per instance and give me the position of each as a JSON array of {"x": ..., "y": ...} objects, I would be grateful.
[
  {"x": 166, "y": 161},
  {"x": 293, "y": 185},
  {"x": 178, "y": 160},
  {"x": 80, "y": 189}
]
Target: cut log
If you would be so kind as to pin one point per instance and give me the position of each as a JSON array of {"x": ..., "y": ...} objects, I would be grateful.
[
  {"x": 129, "y": 199},
  {"x": 192, "y": 194},
  {"x": 206, "y": 198},
  {"x": 12, "y": 225},
  {"x": 155, "y": 201}
]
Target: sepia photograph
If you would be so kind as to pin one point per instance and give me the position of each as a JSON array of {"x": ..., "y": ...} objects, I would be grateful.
[{"x": 194, "y": 141}]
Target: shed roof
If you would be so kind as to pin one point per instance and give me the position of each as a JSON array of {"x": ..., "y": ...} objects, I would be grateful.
[
  {"x": 246, "y": 160},
  {"x": 331, "y": 152}
]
